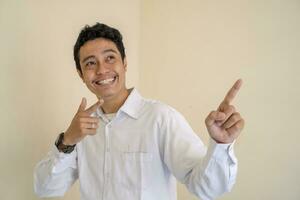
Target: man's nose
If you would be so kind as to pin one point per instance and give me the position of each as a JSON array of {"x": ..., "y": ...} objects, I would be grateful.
[{"x": 101, "y": 68}]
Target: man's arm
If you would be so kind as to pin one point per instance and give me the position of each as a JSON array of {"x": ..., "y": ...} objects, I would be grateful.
[
  {"x": 206, "y": 173},
  {"x": 225, "y": 124},
  {"x": 55, "y": 174}
]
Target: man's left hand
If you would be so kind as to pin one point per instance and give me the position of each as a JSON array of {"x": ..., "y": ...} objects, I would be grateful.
[{"x": 225, "y": 124}]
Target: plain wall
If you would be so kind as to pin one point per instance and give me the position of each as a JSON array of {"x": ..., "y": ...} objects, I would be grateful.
[
  {"x": 185, "y": 53},
  {"x": 40, "y": 88},
  {"x": 192, "y": 53}
]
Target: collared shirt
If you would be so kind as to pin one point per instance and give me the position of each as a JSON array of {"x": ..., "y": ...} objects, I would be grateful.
[{"x": 138, "y": 155}]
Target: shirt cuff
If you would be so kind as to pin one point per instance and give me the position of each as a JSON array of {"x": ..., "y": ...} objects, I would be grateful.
[
  {"x": 221, "y": 151},
  {"x": 62, "y": 160}
]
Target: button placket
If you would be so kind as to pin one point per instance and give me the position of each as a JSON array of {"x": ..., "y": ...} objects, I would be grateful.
[{"x": 107, "y": 160}]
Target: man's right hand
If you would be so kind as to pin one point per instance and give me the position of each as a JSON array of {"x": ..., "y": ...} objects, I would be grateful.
[{"x": 83, "y": 123}]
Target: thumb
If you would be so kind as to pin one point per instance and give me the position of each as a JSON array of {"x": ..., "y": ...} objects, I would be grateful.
[
  {"x": 82, "y": 105},
  {"x": 214, "y": 116},
  {"x": 94, "y": 107}
]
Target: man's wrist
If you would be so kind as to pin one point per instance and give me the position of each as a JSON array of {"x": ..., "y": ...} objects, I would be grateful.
[
  {"x": 62, "y": 146},
  {"x": 66, "y": 139}
]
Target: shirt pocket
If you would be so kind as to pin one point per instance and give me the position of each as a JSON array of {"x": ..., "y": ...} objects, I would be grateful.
[{"x": 136, "y": 170}]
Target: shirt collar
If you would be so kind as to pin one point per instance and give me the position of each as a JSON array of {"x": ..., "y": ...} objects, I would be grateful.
[{"x": 132, "y": 106}]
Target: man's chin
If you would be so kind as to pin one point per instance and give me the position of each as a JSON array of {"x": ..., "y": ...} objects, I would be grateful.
[{"x": 106, "y": 96}]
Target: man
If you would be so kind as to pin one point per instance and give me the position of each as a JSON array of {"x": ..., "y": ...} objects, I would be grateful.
[{"x": 125, "y": 147}]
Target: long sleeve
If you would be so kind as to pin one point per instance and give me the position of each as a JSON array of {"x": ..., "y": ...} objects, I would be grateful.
[
  {"x": 216, "y": 174},
  {"x": 55, "y": 174},
  {"x": 206, "y": 172}
]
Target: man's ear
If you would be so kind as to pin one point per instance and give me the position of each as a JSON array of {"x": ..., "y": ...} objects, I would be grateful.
[
  {"x": 125, "y": 63},
  {"x": 80, "y": 74}
]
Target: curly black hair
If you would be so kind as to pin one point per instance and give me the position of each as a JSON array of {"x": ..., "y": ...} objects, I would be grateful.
[{"x": 97, "y": 31}]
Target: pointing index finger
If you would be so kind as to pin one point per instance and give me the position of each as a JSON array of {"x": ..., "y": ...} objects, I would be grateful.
[
  {"x": 82, "y": 105},
  {"x": 232, "y": 92}
]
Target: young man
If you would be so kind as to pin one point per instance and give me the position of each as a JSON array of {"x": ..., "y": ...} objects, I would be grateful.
[{"x": 125, "y": 147}]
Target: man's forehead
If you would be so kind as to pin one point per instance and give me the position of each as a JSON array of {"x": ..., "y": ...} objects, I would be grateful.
[{"x": 99, "y": 45}]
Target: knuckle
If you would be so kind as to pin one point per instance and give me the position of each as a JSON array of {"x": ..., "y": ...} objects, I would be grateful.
[
  {"x": 239, "y": 125},
  {"x": 79, "y": 114},
  {"x": 232, "y": 108},
  {"x": 243, "y": 121},
  {"x": 83, "y": 114},
  {"x": 236, "y": 117},
  {"x": 211, "y": 112},
  {"x": 81, "y": 126},
  {"x": 222, "y": 106},
  {"x": 206, "y": 120},
  {"x": 210, "y": 115}
]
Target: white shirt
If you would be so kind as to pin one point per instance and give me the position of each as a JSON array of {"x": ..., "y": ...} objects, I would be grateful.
[{"x": 137, "y": 156}]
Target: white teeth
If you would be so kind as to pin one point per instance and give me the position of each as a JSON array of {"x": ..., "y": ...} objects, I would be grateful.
[{"x": 106, "y": 81}]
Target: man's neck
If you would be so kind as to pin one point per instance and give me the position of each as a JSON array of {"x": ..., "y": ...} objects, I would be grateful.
[{"x": 113, "y": 105}]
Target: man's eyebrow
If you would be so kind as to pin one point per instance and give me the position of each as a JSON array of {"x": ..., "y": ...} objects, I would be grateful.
[
  {"x": 110, "y": 50},
  {"x": 104, "y": 51},
  {"x": 86, "y": 58}
]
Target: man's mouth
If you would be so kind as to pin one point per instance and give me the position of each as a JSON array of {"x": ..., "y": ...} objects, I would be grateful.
[{"x": 107, "y": 81}]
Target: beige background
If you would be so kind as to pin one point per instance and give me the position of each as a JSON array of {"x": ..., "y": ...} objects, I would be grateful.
[{"x": 185, "y": 53}]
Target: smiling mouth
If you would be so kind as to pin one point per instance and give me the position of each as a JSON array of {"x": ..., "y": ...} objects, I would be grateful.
[{"x": 107, "y": 81}]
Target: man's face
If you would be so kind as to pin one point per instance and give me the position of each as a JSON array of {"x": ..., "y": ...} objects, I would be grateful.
[{"x": 103, "y": 70}]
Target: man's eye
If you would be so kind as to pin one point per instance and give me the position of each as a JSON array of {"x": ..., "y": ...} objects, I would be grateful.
[
  {"x": 110, "y": 59},
  {"x": 90, "y": 64}
]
